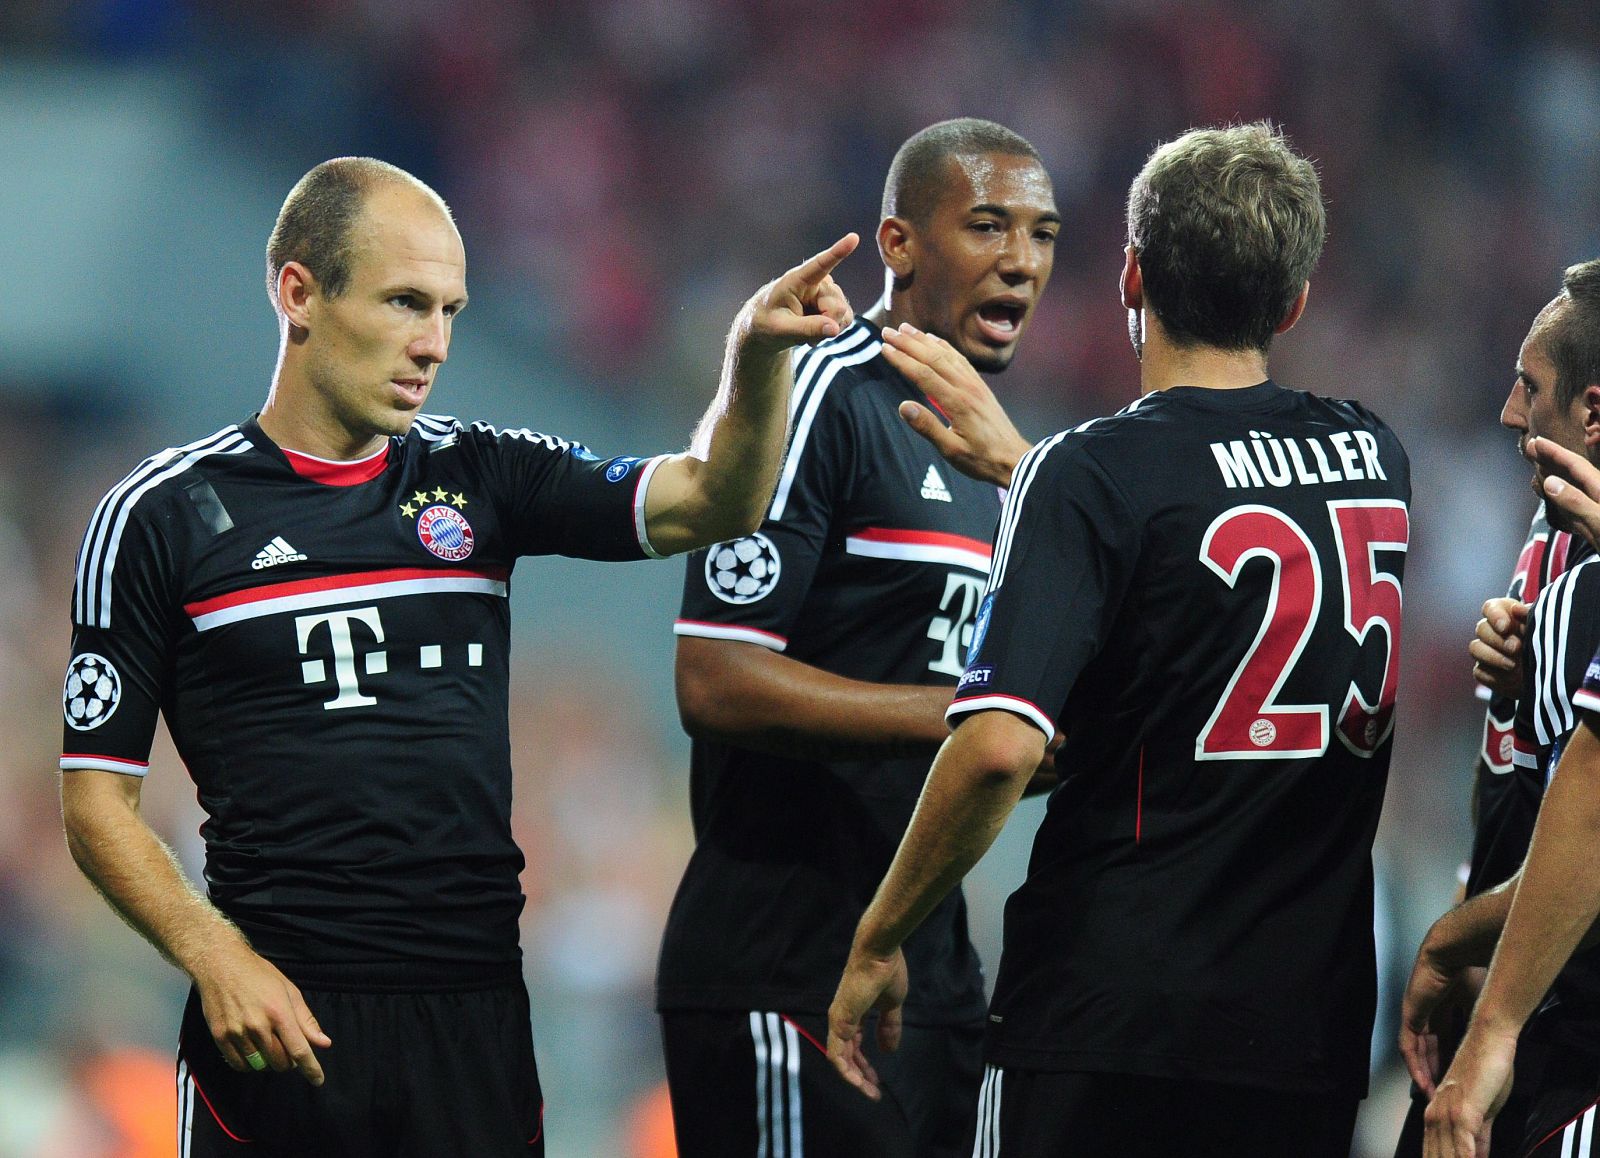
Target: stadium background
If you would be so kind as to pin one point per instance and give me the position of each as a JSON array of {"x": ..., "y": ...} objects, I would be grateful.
[{"x": 625, "y": 172}]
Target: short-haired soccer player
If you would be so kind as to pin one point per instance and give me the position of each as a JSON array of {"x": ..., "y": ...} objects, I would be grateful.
[
  {"x": 816, "y": 658},
  {"x": 316, "y": 600},
  {"x": 1203, "y": 593},
  {"x": 1539, "y": 1000}
]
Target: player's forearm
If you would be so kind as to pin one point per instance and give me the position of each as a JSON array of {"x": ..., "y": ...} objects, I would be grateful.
[
  {"x": 1558, "y": 896},
  {"x": 974, "y": 785},
  {"x": 744, "y": 694},
  {"x": 1466, "y": 935},
  {"x": 732, "y": 464},
  {"x": 139, "y": 878}
]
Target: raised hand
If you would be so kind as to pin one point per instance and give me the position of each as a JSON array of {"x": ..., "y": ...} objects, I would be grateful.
[
  {"x": 1497, "y": 647},
  {"x": 805, "y": 304},
  {"x": 1572, "y": 484},
  {"x": 980, "y": 440}
]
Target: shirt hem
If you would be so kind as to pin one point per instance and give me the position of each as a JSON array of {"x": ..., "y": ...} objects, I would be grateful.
[
  {"x": 915, "y": 1013},
  {"x": 1183, "y": 1066}
]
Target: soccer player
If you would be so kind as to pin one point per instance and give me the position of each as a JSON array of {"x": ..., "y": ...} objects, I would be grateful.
[
  {"x": 1510, "y": 777},
  {"x": 1555, "y": 400},
  {"x": 815, "y": 660},
  {"x": 1203, "y": 593},
  {"x": 316, "y": 600},
  {"x": 1505, "y": 802}
]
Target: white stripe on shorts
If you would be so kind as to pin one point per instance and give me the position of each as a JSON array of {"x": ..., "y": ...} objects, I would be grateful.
[
  {"x": 987, "y": 1143},
  {"x": 778, "y": 1122},
  {"x": 185, "y": 1109}
]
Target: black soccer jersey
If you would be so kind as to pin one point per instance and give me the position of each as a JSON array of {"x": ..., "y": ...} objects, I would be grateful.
[
  {"x": 1508, "y": 797},
  {"x": 1562, "y": 637},
  {"x": 869, "y": 564},
  {"x": 1203, "y": 593},
  {"x": 331, "y": 659}
]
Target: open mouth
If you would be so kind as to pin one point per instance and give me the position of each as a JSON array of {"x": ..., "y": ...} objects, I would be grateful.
[
  {"x": 1002, "y": 321},
  {"x": 411, "y": 390}
]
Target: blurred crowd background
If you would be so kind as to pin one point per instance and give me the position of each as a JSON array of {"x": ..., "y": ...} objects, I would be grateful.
[{"x": 625, "y": 173}]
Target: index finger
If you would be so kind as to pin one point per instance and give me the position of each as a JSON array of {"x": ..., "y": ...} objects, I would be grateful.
[
  {"x": 930, "y": 351},
  {"x": 814, "y": 269},
  {"x": 1554, "y": 457},
  {"x": 303, "y": 1057}
]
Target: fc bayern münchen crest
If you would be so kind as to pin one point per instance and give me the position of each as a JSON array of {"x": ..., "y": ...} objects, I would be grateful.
[
  {"x": 91, "y": 693},
  {"x": 446, "y": 532}
]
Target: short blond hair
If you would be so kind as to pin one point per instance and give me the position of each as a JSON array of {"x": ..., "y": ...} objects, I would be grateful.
[{"x": 1228, "y": 224}]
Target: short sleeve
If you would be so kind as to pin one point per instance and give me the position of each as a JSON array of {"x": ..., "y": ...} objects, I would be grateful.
[
  {"x": 122, "y": 642},
  {"x": 752, "y": 589},
  {"x": 1064, "y": 556},
  {"x": 557, "y": 497}
]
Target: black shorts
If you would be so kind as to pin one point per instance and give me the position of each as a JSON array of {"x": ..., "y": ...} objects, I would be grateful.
[
  {"x": 745, "y": 1085},
  {"x": 1561, "y": 1084},
  {"x": 409, "y": 1075},
  {"x": 1037, "y": 1114}
]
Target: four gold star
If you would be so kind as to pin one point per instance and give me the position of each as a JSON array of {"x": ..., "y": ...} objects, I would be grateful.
[{"x": 420, "y": 499}]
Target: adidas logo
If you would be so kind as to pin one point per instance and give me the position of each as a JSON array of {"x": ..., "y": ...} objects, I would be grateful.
[
  {"x": 275, "y": 552},
  {"x": 933, "y": 487}
]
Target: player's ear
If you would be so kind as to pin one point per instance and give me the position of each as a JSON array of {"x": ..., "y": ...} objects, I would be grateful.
[
  {"x": 1131, "y": 284},
  {"x": 1298, "y": 308},
  {"x": 897, "y": 246},
  {"x": 297, "y": 287},
  {"x": 1590, "y": 401}
]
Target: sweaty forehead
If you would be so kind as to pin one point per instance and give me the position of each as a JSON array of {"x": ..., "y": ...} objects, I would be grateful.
[{"x": 1016, "y": 182}]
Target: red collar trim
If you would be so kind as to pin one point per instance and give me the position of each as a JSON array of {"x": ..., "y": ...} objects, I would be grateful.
[{"x": 339, "y": 474}]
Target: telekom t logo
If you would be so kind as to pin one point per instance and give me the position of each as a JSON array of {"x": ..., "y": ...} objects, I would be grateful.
[
  {"x": 315, "y": 671},
  {"x": 954, "y": 628}
]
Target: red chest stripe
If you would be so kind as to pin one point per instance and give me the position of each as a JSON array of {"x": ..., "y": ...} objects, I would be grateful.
[
  {"x": 921, "y": 547},
  {"x": 296, "y": 594}
]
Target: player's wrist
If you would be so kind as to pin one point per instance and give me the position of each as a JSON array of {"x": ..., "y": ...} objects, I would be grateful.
[{"x": 874, "y": 946}]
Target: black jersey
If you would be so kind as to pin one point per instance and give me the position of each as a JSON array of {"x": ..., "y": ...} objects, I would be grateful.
[
  {"x": 1203, "y": 593},
  {"x": 1507, "y": 797},
  {"x": 870, "y": 564},
  {"x": 331, "y": 659},
  {"x": 1562, "y": 638}
]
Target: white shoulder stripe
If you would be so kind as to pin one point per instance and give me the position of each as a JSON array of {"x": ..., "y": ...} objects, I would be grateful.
[
  {"x": 1554, "y": 716},
  {"x": 805, "y": 357},
  {"x": 1021, "y": 481},
  {"x": 526, "y": 435},
  {"x": 433, "y": 427},
  {"x": 810, "y": 386},
  {"x": 97, "y": 558}
]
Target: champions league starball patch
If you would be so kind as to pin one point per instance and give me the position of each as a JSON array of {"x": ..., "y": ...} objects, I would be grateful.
[
  {"x": 92, "y": 692},
  {"x": 743, "y": 570},
  {"x": 445, "y": 532},
  {"x": 620, "y": 468}
]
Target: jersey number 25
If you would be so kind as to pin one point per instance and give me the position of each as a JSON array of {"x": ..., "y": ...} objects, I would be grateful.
[{"x": 1249, "y": 722}]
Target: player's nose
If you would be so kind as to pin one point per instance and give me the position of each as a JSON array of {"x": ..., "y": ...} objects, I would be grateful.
[{"x": 1514, "y": 414}]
